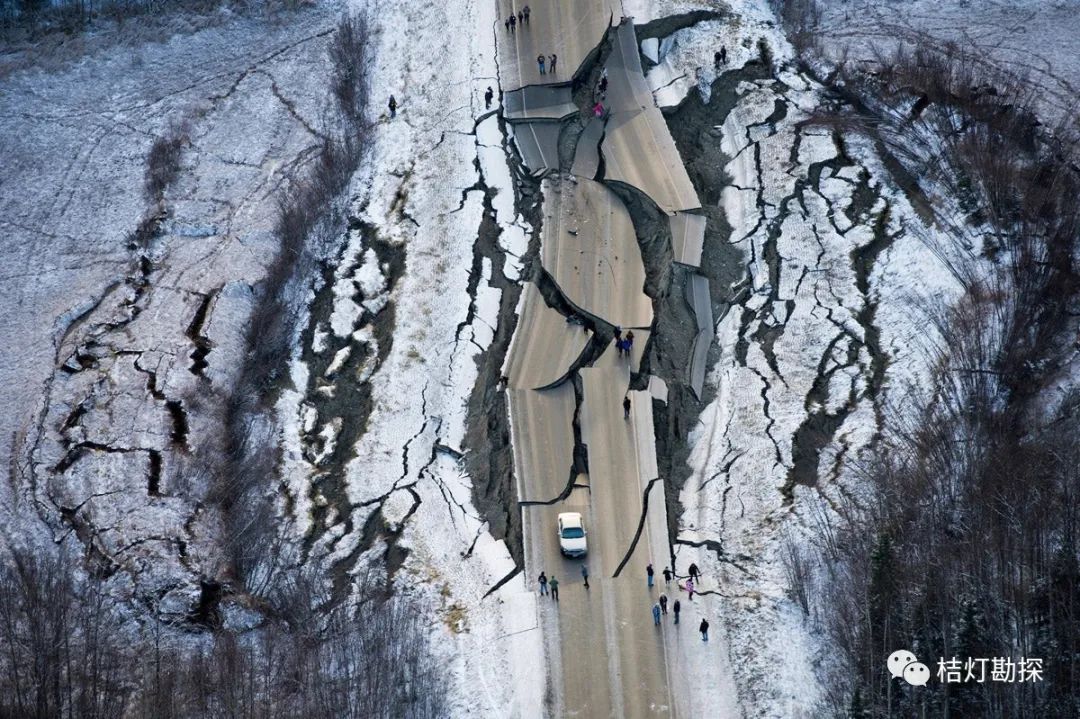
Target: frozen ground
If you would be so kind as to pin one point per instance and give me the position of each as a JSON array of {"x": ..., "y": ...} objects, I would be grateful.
[
  {"x": 1036, "y": 39},
  {"x": 104, "y": 344},
  {"x": 109, "y": 360},
  {"x": 103, "y": 354}
]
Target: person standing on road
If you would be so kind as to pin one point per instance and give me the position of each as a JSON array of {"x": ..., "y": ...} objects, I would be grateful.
[
  {"x": 690, "y": 590},
  {"x": 704, "y": 629},
  {"x": 667, "y": 575},
  {"x": 649, "y": 573},
  {"x": 626, "y": 415},
  {"x": 694, "y": 573},
  {"x": 543, "y": 583},
  {"x": 525, "y": 13},
  {"x": 585, "y": 575},
  {"x": 540, "y": 63},
  {"x": 554, "y": 588},
  {"x": 675, "y": 609},
  {"x": 488, "y": 97},
  {"x": 663, "y": 603},
  {"x": 513, "y": 23},
  {"x": 723, "y": 55},
  {"x": 393, "y": 107},
  {"x": 656, "y": 615},
  {"x": 551, "y": 63}
]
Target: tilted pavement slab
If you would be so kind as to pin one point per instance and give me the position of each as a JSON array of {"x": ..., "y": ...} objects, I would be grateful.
[
  {"x": 639, "y": 152},
  {"x": 542, "y": 437},
  {"x": 627, "y": 89},
  {"x": 687, "y": 238},
  {"x": 638, "y": 149},
  {"x": 589, "y": 248},
  {"x": 539, "y": 103},
  {"x": 620, "y": 450},
  {"x": 538, "y": 145},
  {"x": 697, "y": 296},
  {"x": 587, "y": 153},
  {"x": 544, "y": 345},
  {"x": 570, "y": 29}
]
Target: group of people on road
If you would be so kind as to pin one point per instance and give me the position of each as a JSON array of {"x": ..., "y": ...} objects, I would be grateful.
[
  {"x": 660, "y": 607},
  {"x": 551, "y": 586},
  {"x": 522, "y": 19},
  {"x": 624, "y": 344},
  {"x": 552, "y": 60}
]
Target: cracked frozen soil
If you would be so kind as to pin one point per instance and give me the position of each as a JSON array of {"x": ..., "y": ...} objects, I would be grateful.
[{"x": 126, "y": 316}]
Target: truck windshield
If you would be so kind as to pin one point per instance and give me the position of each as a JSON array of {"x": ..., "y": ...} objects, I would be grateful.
[{"x": 573, "y": 533}]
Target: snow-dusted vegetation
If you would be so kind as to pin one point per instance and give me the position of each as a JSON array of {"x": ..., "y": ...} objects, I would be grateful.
[{"x": 260, "y": 459}]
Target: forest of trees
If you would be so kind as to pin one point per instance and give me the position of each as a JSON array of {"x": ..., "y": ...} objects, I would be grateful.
[
  {"x": 965, "y": 544},
  {"x": 66, "y": 651}
]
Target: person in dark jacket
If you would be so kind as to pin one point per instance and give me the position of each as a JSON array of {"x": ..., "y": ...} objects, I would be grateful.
[
  {"x": 704, "y": 629},
  {"x": 649, "y": 574},
  {"x": 393, "y": 106},
  {"x": 585, "y": 575},
  {"x": 488, "y": 97},
  {"x": 554, "y": 584},
  {"x": 551, "y": 63},
  {"x": 542, "y": 580},
  {"x": 675, "y": 609},
  {"x": 626, "y": 415}
]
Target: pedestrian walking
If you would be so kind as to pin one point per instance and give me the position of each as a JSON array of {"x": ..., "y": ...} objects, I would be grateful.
[
  {"x": 521, "y": 18},
  {"x": 603, "y": 84},
  {"x": 598, "y": 110},
  {"x": 618, "y": 333},
  {"x": 513, "y": 23},
  {"x": 656, "y": 615},
  {"x": 507, "y": 23},
  {"x": 716, "y": 60},
  {"x": 663, "y": 603},
  {"x": 694, "y": 573},
  {"x": 543, "y": 584},
  {"x": 675, "y": 609},
  {"x": 554, "y": 584},
  {"x": 551, "y": 64},
  {"x": 540, "y": 62},
  {"x": 525, "y": 12},
  {"x": 393, "y": 107},
  {"x": 704, "y": 629},
  {"x": 649, "y": 574},
  {"x": 723, "y": 55},
  {"x": 585, "y": 575},
  {"x": 488, "y": 97},
  {"x": 626, "y": 415},
  {"x": 690, "y": 590},
  {"x": 667, "y": 575},
  {"x": 629, "y": 341}
]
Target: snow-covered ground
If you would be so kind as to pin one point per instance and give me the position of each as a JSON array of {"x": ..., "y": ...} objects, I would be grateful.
[
  {"x": 826, "y": 332},
  {"x": 101, "y": 351},
  {"x": 1034, "y": 39},
  {"x": 254, "y": 97},
  {"x": 99, "y": 347}
]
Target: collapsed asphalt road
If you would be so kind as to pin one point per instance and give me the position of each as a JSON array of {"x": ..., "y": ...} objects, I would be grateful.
[{"x": 573, "y": 448}]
